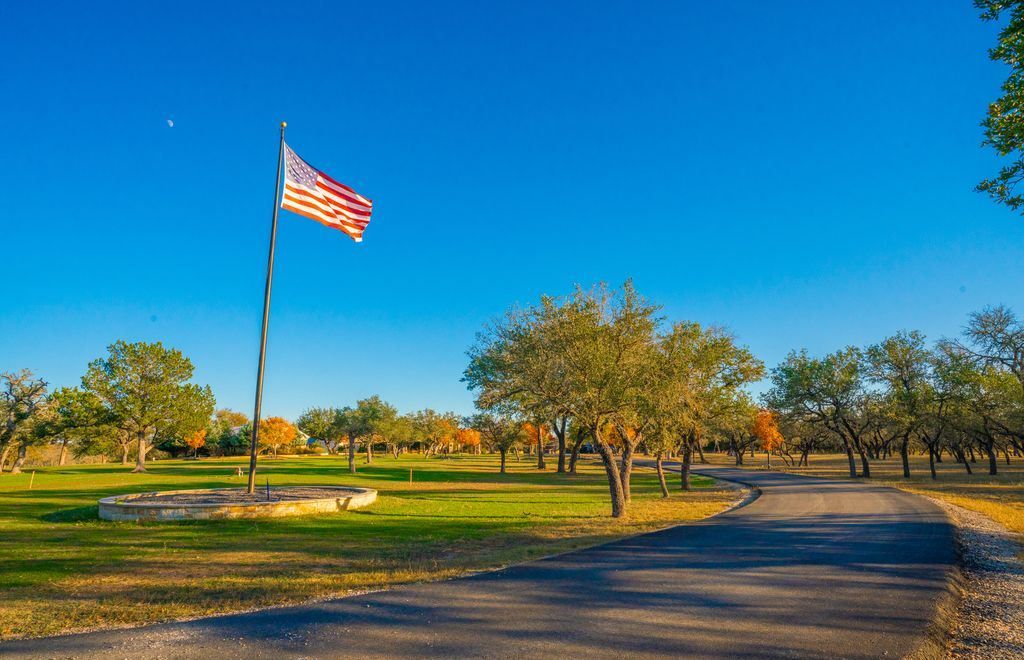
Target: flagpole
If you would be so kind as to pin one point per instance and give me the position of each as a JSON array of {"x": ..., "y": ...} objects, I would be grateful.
[{"x": 253, "y": 448}]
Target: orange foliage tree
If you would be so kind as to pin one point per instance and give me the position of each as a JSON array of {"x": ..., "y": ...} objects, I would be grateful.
[
  {"x": 196, "y": 441},
  {"x": 766, "y": 429},
  {"x": 468, "y": 439},
  {"x": 275, "y": 432}
]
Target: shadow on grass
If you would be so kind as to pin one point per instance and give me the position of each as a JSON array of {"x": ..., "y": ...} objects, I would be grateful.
[{"x": 77, "y": 514}]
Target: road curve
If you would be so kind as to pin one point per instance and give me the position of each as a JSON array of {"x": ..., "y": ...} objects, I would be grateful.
[{"x": 812, "y": 568}]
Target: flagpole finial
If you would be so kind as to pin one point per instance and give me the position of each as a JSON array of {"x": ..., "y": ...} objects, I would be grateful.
[{"x": 284, "y": 124}]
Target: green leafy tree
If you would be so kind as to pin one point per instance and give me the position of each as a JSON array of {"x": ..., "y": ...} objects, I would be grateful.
[
  {"x": 1004, "y": 130},
  {"x": 76, "y": 415},
  {"x": 500, "y": 433},
  {"x": 828, "y": 391},
  {"x": 144, "y": 388},
  {"x": 321, "y": 424},
  {"x": 229, "y": 431},
  {"x": 901, "y": 364}
]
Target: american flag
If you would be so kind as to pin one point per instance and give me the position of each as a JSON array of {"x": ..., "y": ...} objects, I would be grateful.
[{"x": 310, "y": 192}]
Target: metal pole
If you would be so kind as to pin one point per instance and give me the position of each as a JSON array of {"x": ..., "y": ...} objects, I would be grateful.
[{"x": 266, "y": 319}]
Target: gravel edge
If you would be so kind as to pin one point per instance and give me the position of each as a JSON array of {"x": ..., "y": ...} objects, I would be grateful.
[{"x": 988, "y": 620}]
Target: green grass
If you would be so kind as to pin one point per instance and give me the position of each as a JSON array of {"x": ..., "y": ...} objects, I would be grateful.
[{"x": 62, "y": 569}]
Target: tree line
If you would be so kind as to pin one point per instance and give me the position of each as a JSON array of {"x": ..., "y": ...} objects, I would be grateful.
[
  {"x": 960, "y": 397},
  {"x": 136, "y": 397}
]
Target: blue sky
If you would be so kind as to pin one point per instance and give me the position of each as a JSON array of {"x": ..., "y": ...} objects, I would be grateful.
[{"x": 800, "y": 172}]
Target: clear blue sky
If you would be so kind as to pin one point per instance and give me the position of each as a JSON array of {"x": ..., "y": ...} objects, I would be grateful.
[{"x": 801, "y": 172}]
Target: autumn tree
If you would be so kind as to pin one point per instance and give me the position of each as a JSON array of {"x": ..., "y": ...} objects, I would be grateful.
[
  {"x": 766, "y": 430},
  {"x": 468, "y": 438},
  {"x": 276, "y": 432},
  {"x": 195, "y": 441}
]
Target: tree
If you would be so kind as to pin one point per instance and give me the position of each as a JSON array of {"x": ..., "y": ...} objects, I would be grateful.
[
  {"x": 828, "y": 391},
  {"x": 536, "y": 436},
  {"x": 470, "y": 438},
  {"x": 145, "y": 391},
  {"x": 605, "y": 338},
  {"x": 698, "y": 381},
  {"x": 516, "y": 369},
  {"x": 230, "y": 431},
  {"x": 901, "y": 364},
  {"x": 766, "y": 429},
  {"x": 276, "y": 432},
  {"x": 736, "y": 424},
  {"x": 195, "y": 441},
  {"x": 76, "y": 416},
  {"x": 369, "y": 418},
  {"x": 501, "y": 433},
  {"x": 22, "y": 399},
  {"x": 1002, "y": 124},
  {"x": 322, "y": 424}
]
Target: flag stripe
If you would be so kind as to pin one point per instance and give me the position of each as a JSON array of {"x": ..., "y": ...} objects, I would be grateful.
[
  {"x": 357, "y": 237},
  {"x": 314, "y": 206},
  {"x": 341, "y": 203},
  {"x": 314, "y": 195}
]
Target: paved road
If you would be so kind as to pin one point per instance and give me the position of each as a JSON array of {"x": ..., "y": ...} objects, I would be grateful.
[{"x": 812, "y": 568}]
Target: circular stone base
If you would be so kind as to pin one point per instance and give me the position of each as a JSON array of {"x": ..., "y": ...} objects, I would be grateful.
[{"x": 228, "y": 503}]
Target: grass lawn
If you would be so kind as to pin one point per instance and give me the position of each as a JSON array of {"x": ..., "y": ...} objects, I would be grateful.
[
  {"x": 999, "y": 497},
  {"x": 62, "y": 569}
]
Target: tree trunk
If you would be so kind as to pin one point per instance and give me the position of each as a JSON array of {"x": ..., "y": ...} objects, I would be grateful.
[
  {"x": 905, "y": 455},
  {"x": 503, "y": 453},
  {"x": 992, "y": 460},
  {"x": 611, "y": 468},
  {"x": 20, "y": 460},
  {"x": 540, "y": 448},
  {"x": 850, "y": 459},
  {"x": 3, "y": 457},
  {"x": 63, "y": 459},
  {"x": 574, "y": 457},
  {"x": 140, "y": 460},
  {"x": 700, "y": 452},
  {"x": 684, "y": 468},
  {"x": 626, "y": 470},
  {"x": 369, "y": 452},
  {"x": 661, "y": 475},
  {"x": 865, "y": 466},
  {"x": 351, "y": 456},
  {"x": 515, "y": 450},
  {"x": 560, "y": 434},
  {"x": 931, "y": 462}
]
